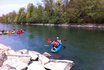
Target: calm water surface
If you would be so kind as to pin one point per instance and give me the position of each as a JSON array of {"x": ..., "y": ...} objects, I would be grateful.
[{"x": 84, "y": 46}]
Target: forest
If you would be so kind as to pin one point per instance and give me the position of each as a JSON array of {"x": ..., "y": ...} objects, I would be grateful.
[{"x": 58, "y": 12}]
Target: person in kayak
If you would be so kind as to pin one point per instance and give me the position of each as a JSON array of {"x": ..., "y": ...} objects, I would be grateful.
[
  {"x": 20, "y": 31},
  {"x": 56, "y": 43},
  {"x": 58, "y": 40}
]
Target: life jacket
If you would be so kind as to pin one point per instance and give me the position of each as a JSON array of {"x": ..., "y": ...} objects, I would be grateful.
[
  {"x": 59, "y": 41},
  {"x": 55, "y": 43}
]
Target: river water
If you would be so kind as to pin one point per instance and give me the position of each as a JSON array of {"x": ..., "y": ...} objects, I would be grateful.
[{"x": 84, "y": 46}]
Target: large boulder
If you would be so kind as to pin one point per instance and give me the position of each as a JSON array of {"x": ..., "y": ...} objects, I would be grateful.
[
  {"x": 25, "y": 58},
  {"x": 43, "y": 59},
  {"x": 16, "y": 63},
  {"x": 24, "y": 51},
  {"x": 59, "y": 65},
  {"x": 36, "y": 66},
  {"x": 3, "y": 57},
  {"x": 18, "y": 53},
  {"x": 3, "y": 47},
  {"x": 33, "y": 55},
  {"x": 37, "y": 53},
  {"x": 7, "y": 67},
  {"x": 47, "y": 54},
  {"x": 10, "y": 52}
]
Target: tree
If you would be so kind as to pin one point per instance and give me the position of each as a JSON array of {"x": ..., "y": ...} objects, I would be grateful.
[
  {"x": 20, "y": 18},
  {"x": 59, "y": 11},
  {"x": 30, "y": 13},
  {"x": 11, "y": 17}
]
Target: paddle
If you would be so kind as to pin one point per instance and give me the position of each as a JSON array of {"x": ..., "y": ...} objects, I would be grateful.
[
  {"x": 46, "y": 45},
  {"x": 64, "y": 46},
  {"x": 48, "y": 41}
]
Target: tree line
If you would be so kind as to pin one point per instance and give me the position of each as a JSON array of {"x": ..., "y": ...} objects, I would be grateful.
[{"x": 59, "y": 12}]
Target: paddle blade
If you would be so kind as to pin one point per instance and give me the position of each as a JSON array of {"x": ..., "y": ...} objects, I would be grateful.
[
  {"x": 64, "y": 47},
  {"x": 48, "y": 40},
  {"x": 46, "y": 45}
]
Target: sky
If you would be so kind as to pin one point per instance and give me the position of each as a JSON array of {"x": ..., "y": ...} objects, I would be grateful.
[{"x": 7, "y": 6}]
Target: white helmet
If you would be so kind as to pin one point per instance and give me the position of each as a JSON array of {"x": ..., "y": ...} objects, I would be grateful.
[{"x": 57, "y": 37}]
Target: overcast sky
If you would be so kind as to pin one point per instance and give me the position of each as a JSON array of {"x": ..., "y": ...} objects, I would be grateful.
[{"x": 7, "y": 6}]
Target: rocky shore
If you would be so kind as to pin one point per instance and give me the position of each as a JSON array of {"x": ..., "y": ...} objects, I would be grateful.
[
  {"x": 30, "y": 60},
  {"x": 74, "y": 25}
]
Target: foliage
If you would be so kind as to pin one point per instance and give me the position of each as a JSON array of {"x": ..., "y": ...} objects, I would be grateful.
[{"x": 59, "y": 11}]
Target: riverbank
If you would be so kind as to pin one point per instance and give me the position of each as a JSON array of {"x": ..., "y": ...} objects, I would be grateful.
[
  {"x": 73, "y": 25},
  {"x": 30, "y": 60}
]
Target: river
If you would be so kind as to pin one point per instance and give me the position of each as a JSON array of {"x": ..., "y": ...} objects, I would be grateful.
[{"x": 84, "y": 46}]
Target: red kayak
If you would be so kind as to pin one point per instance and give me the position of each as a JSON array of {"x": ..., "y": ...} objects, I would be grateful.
[{"x": 20, "y": 32}]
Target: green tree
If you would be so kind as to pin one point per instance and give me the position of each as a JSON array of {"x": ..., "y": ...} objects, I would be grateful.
[
  {"x": 30, "y": 13},
  {"x": 21, "y": 16},
  {"x": 59, "y": 11},
  {"x": 11, "y": 17}
]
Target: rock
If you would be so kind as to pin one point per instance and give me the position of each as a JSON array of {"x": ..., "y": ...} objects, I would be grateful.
[
  {"x": 25, "y": 59},
  {"x": 11, "y": 52},
  {"x": 18, "y": 53},
  {"x": 37, "y": 53},
  {"x": 30, "y": 60},
  {"x": 63, "y": 61},
  {"x": 16, "y": 63},
  {"x": 24, "y": 51},
  {"x": 34, "y": 55},
  {"x": 43, "y": 59},
  {"x": 36, "y": 66},
  {"x": 46, "y": 54},
  {"x": 7, "y": 67},
  {"x": 3, "y": 57},
  {"x": 59, "y": 65},
  {"x": 4, "y": 47}
]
